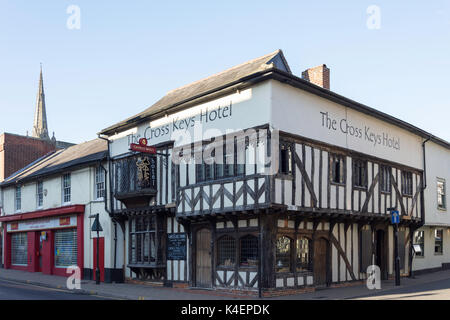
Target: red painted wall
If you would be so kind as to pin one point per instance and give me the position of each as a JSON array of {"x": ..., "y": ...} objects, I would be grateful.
[{"x": 101, "y": 257}]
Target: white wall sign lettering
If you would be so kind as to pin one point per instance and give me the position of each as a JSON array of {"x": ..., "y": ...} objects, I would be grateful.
[{"x": 360, "y": 131}]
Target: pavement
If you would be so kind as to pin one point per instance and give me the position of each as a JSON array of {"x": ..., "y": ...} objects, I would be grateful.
[{"x": 434, "y": 285}]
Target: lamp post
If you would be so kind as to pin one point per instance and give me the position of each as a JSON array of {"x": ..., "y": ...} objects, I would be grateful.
[{"x": 96, "y": 226}]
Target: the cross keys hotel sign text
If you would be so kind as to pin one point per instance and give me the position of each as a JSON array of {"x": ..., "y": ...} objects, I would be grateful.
[{"x": 363, "y": 132}]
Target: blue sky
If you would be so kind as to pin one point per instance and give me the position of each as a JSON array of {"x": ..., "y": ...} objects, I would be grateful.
[{"x": 127, "y": 54}]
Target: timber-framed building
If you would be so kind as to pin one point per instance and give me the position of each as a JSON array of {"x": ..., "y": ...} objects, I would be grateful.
[{"x": 299, "y": 198}]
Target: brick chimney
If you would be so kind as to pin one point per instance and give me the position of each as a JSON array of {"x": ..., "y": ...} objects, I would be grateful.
[{"x": 319, "y": 75}]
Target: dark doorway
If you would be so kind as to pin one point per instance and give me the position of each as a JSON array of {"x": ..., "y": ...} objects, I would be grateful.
[
  {"x": 380, "y": 257},
  {"x": 320, "y": 261},
  {"x": 203, "y": 258}
]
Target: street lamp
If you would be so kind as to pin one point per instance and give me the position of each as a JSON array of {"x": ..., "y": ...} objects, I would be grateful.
[{"x": 96, "y": 226}]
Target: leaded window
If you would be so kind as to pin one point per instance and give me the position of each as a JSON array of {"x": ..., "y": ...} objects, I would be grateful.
[
  {"x": 385, "y": 179},
  {"x": 407, "y": 184},
  {"x": 226, "y": 251},
  {"x": 283, "y": 254},
  {"x": 337, "y": 168},
  {"x": 303, "y": 254},
  {"x": 285, "y": 158},
  {"x": 143, "y": 238},
  {"x": 360, "y": 173},
  {"x": 249, "y": 251}
]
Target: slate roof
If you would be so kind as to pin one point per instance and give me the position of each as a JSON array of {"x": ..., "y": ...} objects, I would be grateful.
[
  {"x": 198, "y": 88},
  {"x": 61, "y": 160}
]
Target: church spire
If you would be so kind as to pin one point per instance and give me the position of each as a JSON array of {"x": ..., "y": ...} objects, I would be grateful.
[{"x": 40, "y": 129}]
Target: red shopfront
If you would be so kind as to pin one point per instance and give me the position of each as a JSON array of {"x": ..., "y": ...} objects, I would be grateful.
[{"x": 47, "y": 241}]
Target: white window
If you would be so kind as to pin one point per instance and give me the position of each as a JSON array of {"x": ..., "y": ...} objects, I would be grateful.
[
  {"x": 441, "y": 194},
  {"x": 99, "y": 183},
  {"x": 18, "y": 198},
  {"x": 39, "y": 194},
  {"x": 66, "y": 188}
]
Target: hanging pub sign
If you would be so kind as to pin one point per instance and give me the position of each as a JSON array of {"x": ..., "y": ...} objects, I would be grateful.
[
  {"x": 146, "y": 172},
  {"x": 176, "y": 246},
  {"x": 142, "y": 147}
]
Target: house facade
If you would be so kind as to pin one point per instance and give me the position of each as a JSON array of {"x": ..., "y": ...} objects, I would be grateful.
[
  {"x": 49, "y": 208},
  {"x": 261, "y": 181},
  {"x": 433, "y": 239}
]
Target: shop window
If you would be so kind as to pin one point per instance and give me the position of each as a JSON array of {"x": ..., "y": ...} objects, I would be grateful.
[
  {"x": 438, "y": 233},
  {"x": 337, "y": 172},
  {"x": 283, "y": 254},
  {"x": 226, "y": 251},
  {"x": 285, "y": 158},
  {"x": 407, "y": 186},
  {"x": 66, "y": 190},
  {"x": 143, "y": 231},
  {"x": 99, "y": 183},
  {"x": 39, "y": 194},
  {"x": 303, "y": 254},
  {"x": 360, "y": 173},
  {"x": 18, "y": 198},
  {"x": 385, "y": 179},
  {"x": 249, "y": 251},
  {"x": 441, "y": 200},
  {"x": 65, "y": 248},
  {"x": 419, "y": 241},
  {"x": 19, "y": 249}
]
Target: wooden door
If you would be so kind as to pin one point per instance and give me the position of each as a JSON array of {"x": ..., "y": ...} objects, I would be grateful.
[
  {"x": 320, "y": 261},
  {"x": 203, "y": 258}
]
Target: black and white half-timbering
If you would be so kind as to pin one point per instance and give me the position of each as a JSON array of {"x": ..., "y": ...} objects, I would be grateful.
[{"x": 264, "y": 181}]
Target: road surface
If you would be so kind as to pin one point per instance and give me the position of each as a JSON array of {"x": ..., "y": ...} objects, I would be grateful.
[{"x": 12, "y": 290}]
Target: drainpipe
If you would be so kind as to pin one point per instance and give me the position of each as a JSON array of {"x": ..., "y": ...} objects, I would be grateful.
[
  {"x": 424, "y": 186},
  {"x": 111, "y": 199}
]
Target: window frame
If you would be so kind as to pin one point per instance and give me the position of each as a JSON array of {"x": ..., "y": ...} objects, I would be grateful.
[
  {"x": 39, "y": 194},
  {"x": 18, "y": 199},
  {"x": 99, "y": 172},
  {"x": 297, "y": 251},
  {"x": 341, "y": 159},
  {"x": 231, "y": 250},
  {"x": 407, "y": 183},
  {"x": 286, "y": 156},
  {"x": 254, "y": 238},
  {"x": 441, "y": 242},
  {"x": 385, "y": 179},
  {"x": 219, "y": 171},
  {"x": 360, "y": 172},
  {"x": 442, "y": 207},
  {"x": 421, "y": 243},
  {"x": 278, "y": 268},
  {"x": 66, "y": 188}
]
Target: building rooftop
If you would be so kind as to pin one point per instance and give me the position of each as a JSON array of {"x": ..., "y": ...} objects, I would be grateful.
[
  {"x": 60, "y": 160},
  {"x": 270, "y": 66}
]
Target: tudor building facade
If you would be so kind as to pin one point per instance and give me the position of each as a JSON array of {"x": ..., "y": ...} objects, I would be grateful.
[{"x": 263, "y": 181}]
